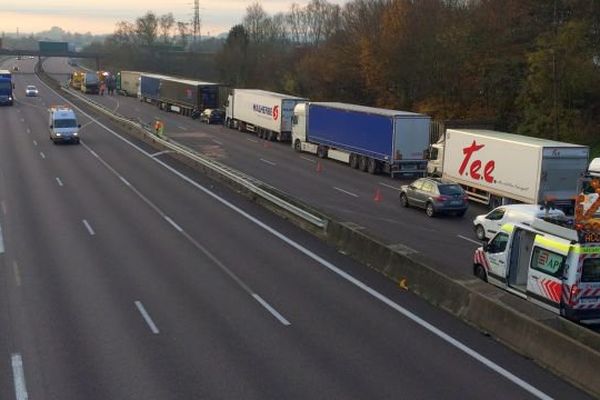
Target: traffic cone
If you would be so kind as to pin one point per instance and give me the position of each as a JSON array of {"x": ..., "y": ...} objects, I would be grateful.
[
  {"x": 378, "y": 196},
  {"x": 319, "y": 168}
]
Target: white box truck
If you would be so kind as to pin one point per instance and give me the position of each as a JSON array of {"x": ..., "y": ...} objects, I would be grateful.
[
  {"x": 499, "y": 168},
  {"x": 267, "y": 114}
]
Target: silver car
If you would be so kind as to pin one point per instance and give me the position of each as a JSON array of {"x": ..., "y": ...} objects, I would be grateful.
[
  {"x": 31, "y": 91},
  {"x": 436, "y": 196}
]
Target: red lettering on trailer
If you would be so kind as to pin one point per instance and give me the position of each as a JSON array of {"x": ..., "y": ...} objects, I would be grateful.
[
  {"x": 475, "y": 166},
  {"x": 275, "y": 112}
]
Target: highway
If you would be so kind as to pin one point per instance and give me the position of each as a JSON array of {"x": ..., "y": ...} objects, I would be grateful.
[{"x": 129, "y": 277}]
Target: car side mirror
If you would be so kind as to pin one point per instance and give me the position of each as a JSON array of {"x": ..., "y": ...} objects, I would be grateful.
[{"x": 79, "y": 125}]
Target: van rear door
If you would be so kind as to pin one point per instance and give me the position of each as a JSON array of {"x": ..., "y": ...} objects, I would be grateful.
[
  {"x": 589, "y": 284},
  {"x": 546, "y": 271}
]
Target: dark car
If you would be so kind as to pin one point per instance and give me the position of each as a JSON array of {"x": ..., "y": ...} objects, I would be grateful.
[
  {"x": 436, "y": 196},
  {"x": 212, "y": 116}
]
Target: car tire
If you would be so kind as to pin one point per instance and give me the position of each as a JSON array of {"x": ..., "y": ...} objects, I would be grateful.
[
  {"x": 429, "y": 210},
  {"x": 297, "y": 145},
  {"x": 404, "y": 200},
  {"x": 479, "y": 272},
  {"x": 480, "y": 232},
  {"x": 322, "y": 151},
  {"x": 77, "y": 141}
]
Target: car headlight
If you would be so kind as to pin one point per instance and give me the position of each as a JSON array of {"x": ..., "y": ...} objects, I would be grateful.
[
  {"x": 9, "y": 98},
  {"x": 58, "y": 135},
  {"x": 75, "y": 134}
]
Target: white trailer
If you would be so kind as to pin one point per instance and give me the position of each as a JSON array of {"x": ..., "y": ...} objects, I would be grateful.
[
  {"x": 267, "y": 114},
  {"x": 501, "y": 168},
  {"x": 128, "y": 83}
]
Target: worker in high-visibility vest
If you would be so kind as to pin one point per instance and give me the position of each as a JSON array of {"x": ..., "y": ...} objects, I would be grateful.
[{"x": 161, "y": 128}]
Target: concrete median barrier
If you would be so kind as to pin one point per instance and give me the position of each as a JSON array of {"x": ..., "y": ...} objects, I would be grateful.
[{"x": 568, "y": 350}]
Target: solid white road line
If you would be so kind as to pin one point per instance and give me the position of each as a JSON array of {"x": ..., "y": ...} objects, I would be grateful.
[
  {"x": 124, "y": 181},
  {"x": 17, "y": 273},
  {"x": 345, "y": 192},
  {"x": 28, "y": 130},
  {"x": 326, "y": 264},
  {"x": 92, "y": 152},
  {"x": 19, "y": 377},
  {"x": 89, "y": 227},
  {"x": 469, "y": 240},
  {"x": 268, "y": 162},
  {"x": 217, "y": 142},
  {"x": 42, "y": 155},
  {"x": 35, "y": 143},
  {"x": 169, "y": 220},
  {"x": 252, "y": 140},
  {"x": 146, "y": 317},
  {"x": 271, "y": 310},
  {"x": 389, "y": 186},
  {"x": 1, "y": 241},
  {"x": 183, "y": 128},
  {"x": 308, "y": 159},
  {"x": 60, "y": 183}
]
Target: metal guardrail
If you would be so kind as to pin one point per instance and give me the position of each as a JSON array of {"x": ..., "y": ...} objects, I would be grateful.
[{"x": 248, "y": 182}]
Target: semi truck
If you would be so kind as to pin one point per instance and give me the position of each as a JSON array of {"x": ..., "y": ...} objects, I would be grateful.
[
  {"x": 267, "y": 114},
  {"x": 90, "y": 83},
  {"x": 149, "y": 87},
  {"x": 498, "y": 168},
  {"x": 128, "y": 83},
  {"x": 185, "y": 96},
  {"x": 6, "y": 88},
  {"x": 370, "y": 139}
]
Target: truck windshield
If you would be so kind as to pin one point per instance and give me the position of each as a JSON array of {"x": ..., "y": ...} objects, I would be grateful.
[
  {"x": 591, "y": 270},
  {"x": 5, "y": 85},
  {"x": 65, "y": 123}
]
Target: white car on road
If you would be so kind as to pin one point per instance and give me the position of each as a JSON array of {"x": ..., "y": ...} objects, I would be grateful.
[{"x": 487, "y": 225}]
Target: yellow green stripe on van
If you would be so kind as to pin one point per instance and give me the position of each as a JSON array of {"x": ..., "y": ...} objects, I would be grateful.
[
  {"x": 552, "y": 244},
  {"x": 508, "y": 228}
]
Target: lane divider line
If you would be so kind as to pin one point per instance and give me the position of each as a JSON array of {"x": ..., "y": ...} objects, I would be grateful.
[
  {"x": 170, "y": 221},
  {"x": 1, "y": 242},
  {"x": 35, "y": 143},
  {"x": 19, "y": 377},
  {"x": 146, "y": 317},
  {"x": 60, "y": 183},
  {"x": 124, "y": 181},
  {"x": 328, "y": 265},
  {"x": 469, "y": 240},
  {"x": 3, "y": 205},
  {"x": 42, "y": 155},
  {"x": 308, "y": 159},
  {"x": 217, "y": 142},
  {"x": 17, "y": 273},
  {"x": 88, "y": 227},
  {"x": 345, "y": 191},
  {"x": 273, "y": 311},
  {"x": 252, "y": 140},
  {"x": 389, "y": 186},
  {"x": 268, "y": 162}
]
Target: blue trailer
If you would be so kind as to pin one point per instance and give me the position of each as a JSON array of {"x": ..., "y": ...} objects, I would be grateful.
[
  {"x": 370, "y": 139},
  {"x": 150, "y": 87},
  {"x": 6, "y": 88}
]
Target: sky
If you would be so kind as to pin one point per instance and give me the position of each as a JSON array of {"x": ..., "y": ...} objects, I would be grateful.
[{"x": 100, "y": 16}]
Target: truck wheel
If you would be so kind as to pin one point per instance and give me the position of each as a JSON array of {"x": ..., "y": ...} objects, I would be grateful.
[
  {"x": 372, "y": 166},
  {"x": 429, "y": 210},
  {"x": 362, "y": 163},
  {"x": 479, "y": 272},
  {"x": 480, "y": 232},
  {"x": 297, "y": 145},
  {"x": 353, "y": 161},
  {"x": 322, "y": 151}
]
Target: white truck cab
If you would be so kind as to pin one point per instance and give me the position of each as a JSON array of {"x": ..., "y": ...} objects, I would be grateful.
[
  {"x": 63, "y": 125},
  {"x": 548, "y": 264}
]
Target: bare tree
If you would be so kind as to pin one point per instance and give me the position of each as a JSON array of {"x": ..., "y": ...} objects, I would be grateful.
[
  {"x": 255, "y": 22},
  {"x": 183, "y": 29},
  {"x": 166, "y": 23},
  {"x": 146, "y": 28}
]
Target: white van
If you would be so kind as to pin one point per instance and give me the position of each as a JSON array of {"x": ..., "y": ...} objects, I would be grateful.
[
  {"x": 553, "y": 266},
  {"x": 63, "y": 125},
  {"x": 487, "y": 225}
]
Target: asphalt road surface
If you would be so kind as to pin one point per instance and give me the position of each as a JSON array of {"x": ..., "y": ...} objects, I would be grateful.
[{"x": 125, "y": 277}]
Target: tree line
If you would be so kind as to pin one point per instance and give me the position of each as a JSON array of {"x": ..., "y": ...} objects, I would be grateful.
[{"x": 525, "y": 66}]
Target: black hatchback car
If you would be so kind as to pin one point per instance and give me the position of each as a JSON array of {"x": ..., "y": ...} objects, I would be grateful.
[{"x": 436, "y": 196}]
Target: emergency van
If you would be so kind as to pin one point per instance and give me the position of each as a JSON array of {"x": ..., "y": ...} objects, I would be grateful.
[
  {"x": 63, "y": 125},
  {"x": 555, "y": 266}
]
